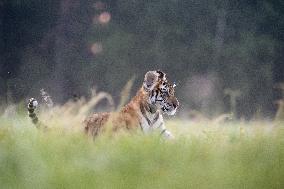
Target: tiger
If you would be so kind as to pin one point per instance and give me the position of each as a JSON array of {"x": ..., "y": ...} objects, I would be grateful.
[{"x": 144, "y": 112}]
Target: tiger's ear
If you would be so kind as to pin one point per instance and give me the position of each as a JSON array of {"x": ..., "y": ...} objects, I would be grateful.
[
  {"x": 161, "y": 74},
  {"x": 150, "y": 80}
]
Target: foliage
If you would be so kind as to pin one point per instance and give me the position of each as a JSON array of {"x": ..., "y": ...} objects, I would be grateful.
[
  {"x": 64, "y": 47},
  {"x": 203, "y": 155}
]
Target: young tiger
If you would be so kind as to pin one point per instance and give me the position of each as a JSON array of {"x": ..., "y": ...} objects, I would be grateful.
[{"x": 144, "y": 111}]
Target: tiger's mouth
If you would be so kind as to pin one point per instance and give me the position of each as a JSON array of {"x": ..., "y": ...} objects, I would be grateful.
[
  {"x": 169, "y": 110},
  {"x": 172, "y": 112}
]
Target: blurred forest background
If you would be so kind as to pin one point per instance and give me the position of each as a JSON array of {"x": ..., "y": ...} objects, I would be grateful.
[{"x": 213, "y": 49}]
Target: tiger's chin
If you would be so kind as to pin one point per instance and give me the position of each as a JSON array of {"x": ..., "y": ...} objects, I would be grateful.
[{"x": 171, "y": 112}]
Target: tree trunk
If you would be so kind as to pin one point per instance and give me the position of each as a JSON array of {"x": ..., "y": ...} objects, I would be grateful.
[
  {"x": 3, "y": 82},
  {"x": 220, "y": 34},
  {"x": 62, "y": 49}
]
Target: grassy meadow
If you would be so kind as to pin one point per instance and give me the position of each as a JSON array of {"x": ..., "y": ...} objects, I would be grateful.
[{"x": 204, "y": 154}]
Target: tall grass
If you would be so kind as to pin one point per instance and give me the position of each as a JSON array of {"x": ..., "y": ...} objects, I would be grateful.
[{"x": 203, "y": 155}]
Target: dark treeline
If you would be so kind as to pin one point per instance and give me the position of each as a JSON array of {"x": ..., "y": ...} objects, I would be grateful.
[{"x": 214, "y": 50}]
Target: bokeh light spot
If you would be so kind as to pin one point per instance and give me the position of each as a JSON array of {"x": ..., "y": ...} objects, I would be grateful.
[
  {"x": 96, "y": 48},
  {"x": 104, "y": 17}
]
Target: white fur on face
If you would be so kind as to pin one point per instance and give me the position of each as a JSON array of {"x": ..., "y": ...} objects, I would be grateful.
[{"x": 172, "y": 112}]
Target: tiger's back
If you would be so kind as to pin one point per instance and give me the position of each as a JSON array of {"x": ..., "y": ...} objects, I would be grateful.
[{"x": 127, "y": 118}]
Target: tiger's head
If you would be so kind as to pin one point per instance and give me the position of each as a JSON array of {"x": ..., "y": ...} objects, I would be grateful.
[{"x": 161, "y": 92}]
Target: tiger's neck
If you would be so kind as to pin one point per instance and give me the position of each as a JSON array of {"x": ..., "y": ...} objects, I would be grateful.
[{"x": 149, "y": 118}]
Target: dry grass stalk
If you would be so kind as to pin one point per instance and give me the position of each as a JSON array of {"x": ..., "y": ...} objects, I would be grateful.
[
  {"x": 71, "y": 114},
  {"x": 279, "y": 116},
  {"x": 124, "y": 95}
]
